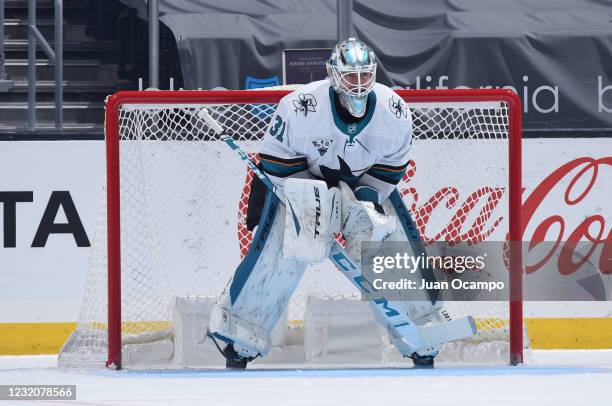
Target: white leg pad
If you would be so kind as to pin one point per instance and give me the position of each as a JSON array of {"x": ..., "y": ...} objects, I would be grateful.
[
  {"x": 249, "y": 339},
  {"x": 258, "y": 294}
]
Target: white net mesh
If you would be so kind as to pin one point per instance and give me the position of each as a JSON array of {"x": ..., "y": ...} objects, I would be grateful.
[{"x": 183, "y": 209}]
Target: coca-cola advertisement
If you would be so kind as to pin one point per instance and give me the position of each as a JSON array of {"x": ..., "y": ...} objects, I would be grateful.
[{"x": 566, "y": 215}]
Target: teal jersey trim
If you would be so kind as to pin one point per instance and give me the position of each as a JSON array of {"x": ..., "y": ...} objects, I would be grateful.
[
  {"x": 386, "y": 176},
  {"x": 282, "y": 167},
  {"x": 280, "y": 170},
  {"x": 355, "y": 129}
]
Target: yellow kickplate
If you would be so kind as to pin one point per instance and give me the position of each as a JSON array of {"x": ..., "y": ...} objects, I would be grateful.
[
  {"x": 575, "y": 333},
  {"x": 544, "y": 333},
  {"x": 33, "y": 338}
]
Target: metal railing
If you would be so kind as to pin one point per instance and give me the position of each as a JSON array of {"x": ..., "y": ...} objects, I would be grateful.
[
  {"x": 344, "y": 19},
  {"x": 55, "y": 56},
  {"x": 5, "y": 84},
  {"x": 153, "y": 43}
]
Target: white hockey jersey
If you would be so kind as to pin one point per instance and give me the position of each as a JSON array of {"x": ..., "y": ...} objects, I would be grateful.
[{"x": 308, "y": 137}]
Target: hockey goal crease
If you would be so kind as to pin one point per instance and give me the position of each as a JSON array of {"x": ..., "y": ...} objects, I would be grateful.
[{"x": 172, "y": 228}]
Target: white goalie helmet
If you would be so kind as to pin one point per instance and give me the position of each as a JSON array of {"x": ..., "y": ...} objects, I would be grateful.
[{"x": 352, "y": 72}]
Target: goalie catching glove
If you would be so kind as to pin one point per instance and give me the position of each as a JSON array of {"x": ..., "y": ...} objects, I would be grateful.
[{"x": 361, "y": 221}]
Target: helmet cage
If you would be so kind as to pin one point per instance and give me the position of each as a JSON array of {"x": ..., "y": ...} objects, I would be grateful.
[{"x": 356, "y": 81}]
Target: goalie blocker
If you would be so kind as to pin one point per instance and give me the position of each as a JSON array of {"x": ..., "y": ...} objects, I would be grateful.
[{"x": 312, "y": 218}]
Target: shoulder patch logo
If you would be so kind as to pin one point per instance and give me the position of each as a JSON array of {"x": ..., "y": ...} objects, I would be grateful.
[
  {"x": 305, "y": 103},
  {"x": 323, "y": 145},
  {"x": 398, "y": 107}
]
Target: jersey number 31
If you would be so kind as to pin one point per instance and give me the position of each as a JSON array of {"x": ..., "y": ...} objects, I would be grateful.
[{"x": 278, "y": 129}]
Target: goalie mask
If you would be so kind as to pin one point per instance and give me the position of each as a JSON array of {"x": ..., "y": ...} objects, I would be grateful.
[{"x": 352, "y": 72}]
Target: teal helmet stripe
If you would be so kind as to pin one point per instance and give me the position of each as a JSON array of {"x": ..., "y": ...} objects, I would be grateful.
[{"x": 355, "y": 54}]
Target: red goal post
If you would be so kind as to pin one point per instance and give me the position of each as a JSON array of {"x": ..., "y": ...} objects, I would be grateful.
[{"x": 115, "y": 102}]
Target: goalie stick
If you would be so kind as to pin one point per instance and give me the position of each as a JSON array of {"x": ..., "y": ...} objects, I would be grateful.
[{"x": 413, "y": 335}]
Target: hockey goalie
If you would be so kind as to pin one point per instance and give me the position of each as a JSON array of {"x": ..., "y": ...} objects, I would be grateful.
[{"x": 334, "y": 150}]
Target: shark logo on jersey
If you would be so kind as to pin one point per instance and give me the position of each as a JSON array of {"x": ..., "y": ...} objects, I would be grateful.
[
  {"x": 323, "y": 145},
  {"x": 352, "y": 129},
  {"x": 305, "y": 103},
  {"x": 398, "y": 107},
  {"x": 343, "y": 173}
]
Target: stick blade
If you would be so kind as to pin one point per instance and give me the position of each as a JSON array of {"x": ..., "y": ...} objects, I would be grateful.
[{"x": 448, "y": 331}]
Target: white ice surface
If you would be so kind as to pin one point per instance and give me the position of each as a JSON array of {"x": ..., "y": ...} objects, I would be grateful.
[{"x": 553, "y": 378}]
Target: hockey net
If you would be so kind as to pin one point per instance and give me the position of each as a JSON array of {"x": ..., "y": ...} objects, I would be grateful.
[{"x": 183, "y": 199}]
